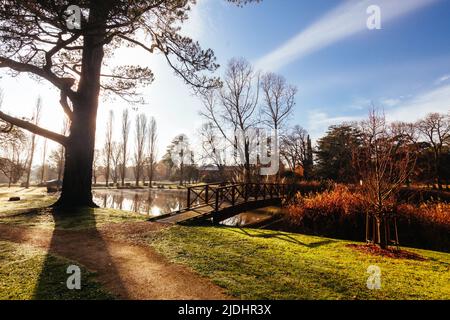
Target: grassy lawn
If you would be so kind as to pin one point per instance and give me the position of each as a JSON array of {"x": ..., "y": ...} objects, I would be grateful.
[
  {"x": 71, "y": 220},
  {"x": 31, "y": 199},
  {"x": 257, "y": 264},
  {"x": 29, "y": 273},
  {"x": 31, "y": 211}
]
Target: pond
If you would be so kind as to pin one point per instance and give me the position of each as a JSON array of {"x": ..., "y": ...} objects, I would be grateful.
[
  {"x": 153, "y": 203},
  {"x": 148, "y": 202}
]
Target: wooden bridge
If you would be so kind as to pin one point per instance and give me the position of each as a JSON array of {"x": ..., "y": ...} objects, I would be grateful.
[{"x": 212, "y": 203}]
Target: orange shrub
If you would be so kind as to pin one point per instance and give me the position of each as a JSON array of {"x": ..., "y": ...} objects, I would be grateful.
[
  {"x": 339, "y": 201},
  {"x": 340, "y": 213},
  {"x": 428, "y": 213}
]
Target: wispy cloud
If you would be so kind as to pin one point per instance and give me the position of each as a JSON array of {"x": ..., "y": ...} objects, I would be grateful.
[
  {"x": 408, "y": 109},
  {"x": 342, "y": 22},
  {"x": 434, "y": 100},
  {"x": 443, "y": 79}
]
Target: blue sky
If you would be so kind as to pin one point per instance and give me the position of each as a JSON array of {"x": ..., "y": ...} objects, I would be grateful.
[
  {"x": 322, "y": 46},
  {"x": 401, "y": 67}
]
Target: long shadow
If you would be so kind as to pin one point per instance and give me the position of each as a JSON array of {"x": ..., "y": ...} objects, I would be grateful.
[
  {"x": 76, "y": 238},
  {"x": 281, "y": 236}
]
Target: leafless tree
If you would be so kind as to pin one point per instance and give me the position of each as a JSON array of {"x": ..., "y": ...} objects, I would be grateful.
[
  {"x": 278, "y": 100},
  {"x": 116, "y": 157},
  {"x": 233, "y": 107},
  {"x": 152, "y": 150},
  {"x": 96, "y": 165},
  {"x": 44, "y": 160},
  {"x": 14, "y": 159},
  {"x": 384, "y": 162},
  {"x": 435, "y": 128},
  {"x": 124, "y": 143},
  {"x": 179, "y": 155},
  {"x": 107, "y": 149},
  {"x": 294, "y": 148},
  {"x": 36, "y": 118},
  {"x": 140, "y": 138},
  {"x": 213, "y": 148},
  {"x": 58, "y": 156}
]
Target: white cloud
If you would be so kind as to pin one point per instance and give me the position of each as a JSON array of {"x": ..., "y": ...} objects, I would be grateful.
[
  {"x": 342, "y": 22},
  {"x": 434, "y": 100},
  {"x": 443, "y": 79},
  {"x": 319, "y": 121},
  {"x": 391, "y": 102}
]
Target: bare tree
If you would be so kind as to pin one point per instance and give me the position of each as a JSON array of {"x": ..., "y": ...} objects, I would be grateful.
[
  {"x": 116, "y": 156},
  {"x": 139, "y": 154},
  {"x": 296, "y": 150},
  {"x": 213, "y": 148},
  {"x": 234, "y": 106},
  {"x": 435, "y": 128},
  {"x": 179, "y": 154},
  {"x": 58, "y": 156},
  {"x": 36, "y": 117},
  {"x": 13, "y": 164},
  {"x": 96, "y": 165},
  {"x": 44, "y": 160},
  {"x": 107, "y": 149},
  {"x": 278, "y": 100},
  {"x": 124, "y": 143},
  {"x": 152, "y": 150},
  {"x": 384, "y": 162},
  {"x": 36, "y": 39}
]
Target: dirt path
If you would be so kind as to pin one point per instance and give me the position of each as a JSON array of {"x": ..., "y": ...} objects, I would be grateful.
[{"x": 130, "y": 271}]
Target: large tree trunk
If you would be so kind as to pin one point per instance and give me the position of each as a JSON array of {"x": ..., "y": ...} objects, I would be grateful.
[{"x": 77, "y": 184}]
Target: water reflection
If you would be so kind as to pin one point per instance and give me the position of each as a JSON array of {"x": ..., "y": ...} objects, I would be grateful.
[
  {"x": 149, "y": 202},
  {"x": 246, "y": 219},
  {"x": 253, "y": 217}
]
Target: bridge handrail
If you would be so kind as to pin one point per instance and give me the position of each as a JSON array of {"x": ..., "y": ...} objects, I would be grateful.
[{"x": 220, "y": 193}]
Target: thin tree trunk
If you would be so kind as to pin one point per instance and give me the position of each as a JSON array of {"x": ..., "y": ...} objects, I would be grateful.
[{"x": 30, "y": 163}]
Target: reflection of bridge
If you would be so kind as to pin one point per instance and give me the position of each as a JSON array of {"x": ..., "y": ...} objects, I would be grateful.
[{"x": 217, "y": 202}]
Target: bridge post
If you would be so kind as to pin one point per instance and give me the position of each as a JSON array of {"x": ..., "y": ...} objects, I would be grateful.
[
  {"x": 189, "y": 198},
  {"x": 207, "y": 194},
  {"x": 233, "y": 195},
  {"x": 216, "y": 206}
]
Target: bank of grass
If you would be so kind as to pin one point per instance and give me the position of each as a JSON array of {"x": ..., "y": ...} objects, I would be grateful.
[
  {"x": 32, "y": 211},
  {"x": 29, "y": 273},
  {"x": 257, "y": 264},
  {"x": 30, "y": 199}
]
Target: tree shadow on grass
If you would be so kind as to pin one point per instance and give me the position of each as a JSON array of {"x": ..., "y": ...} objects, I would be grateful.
[
  {"x": 76, "y": 238},
  {"x": 280, "y": 236}
]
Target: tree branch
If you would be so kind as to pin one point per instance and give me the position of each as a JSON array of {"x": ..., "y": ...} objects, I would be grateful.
[
  {"x": 61, "y": 83},
  {"x": 34, "y": 129}
]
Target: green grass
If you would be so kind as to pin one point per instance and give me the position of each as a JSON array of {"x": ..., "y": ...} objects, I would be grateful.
[
  {"x": 33, "y": 211},
  {"x": 31, "y": 199},
  {"x": 78, "y": 219},
  {"x": 29, "y": 273},
  {"x": 256, "y": 264}
]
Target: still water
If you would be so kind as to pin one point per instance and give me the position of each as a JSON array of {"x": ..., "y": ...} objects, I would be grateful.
[
  {"x": 153, "y": 203},
  {"x": 148, "y": 202}
]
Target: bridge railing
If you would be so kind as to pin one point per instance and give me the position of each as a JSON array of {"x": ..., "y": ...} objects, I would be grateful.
[{"x": 215, "y": 195}]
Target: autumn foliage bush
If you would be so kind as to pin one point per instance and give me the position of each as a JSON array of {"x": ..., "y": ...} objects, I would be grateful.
[{"x": 341, "y": 212}]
